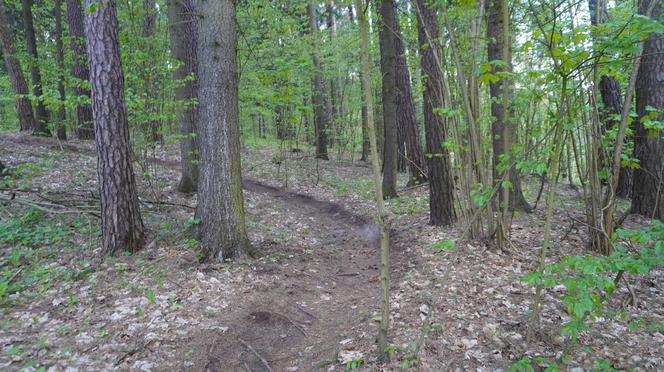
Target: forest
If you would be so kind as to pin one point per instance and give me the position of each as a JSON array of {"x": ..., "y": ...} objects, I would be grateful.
[{"x": 304, "y": 185}]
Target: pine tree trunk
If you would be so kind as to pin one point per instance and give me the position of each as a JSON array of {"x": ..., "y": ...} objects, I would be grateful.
[
  {"x": 151, "y": 83},
  {"x": 503, "y": 132},
  {"x": 41, "y": 115},
  {"x": 122, "y": 226},
  {"x": 388, "y": 71},
  {"x": 648, "y": 188},
  {"x": 318, "y": 96},
  {"x": 26, "y": 116},
  {"x": 406, "y": 117},
  {"x": 220, "y": 203},
  {"x": 80, "y": 71},
  {"x": 183, "y": 32},
  {"x": 60, "y": 59},
  {"x": 441, "y": 184},
  {"x": 610, "y": 91}
]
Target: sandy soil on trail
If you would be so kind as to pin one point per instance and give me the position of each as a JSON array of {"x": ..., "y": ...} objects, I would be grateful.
[{"x": 310, "y": 298}]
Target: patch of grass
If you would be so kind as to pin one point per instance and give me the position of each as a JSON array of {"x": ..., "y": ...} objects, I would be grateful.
[{"x": 408, "y": 205}]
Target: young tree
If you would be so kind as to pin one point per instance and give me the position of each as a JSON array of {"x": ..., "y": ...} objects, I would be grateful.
[
  {"x": 26, "y": 116},
  {"x": 406, "y": 117},
  {"x": 220, "y": 203},
  {"x": 388, "y": 71},
  {"x": 31, "y": 45},
  {"x": 648, "y": 188},
  {"x": 383, "y": 218},
  {"x": 80, "y": 71},
  {"x": 318, "y": 95},
  {"x": 182, "y": 19},
  {"x": 441, "y": 184},
  {"x": 60, "y": 58},
  {"x": 122, "y": 226}
]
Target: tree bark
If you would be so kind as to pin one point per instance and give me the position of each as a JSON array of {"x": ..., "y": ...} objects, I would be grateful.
[
  {"x": 610, "y": 91},
  {"x": 220, "y": 203},
  {"x": 80, "y": 71},
  {"x": 151, "y": 83},
  {"x": 335, "y": 86},
  {"x": 503, "y": 132},
  {"x": 318, "y": 96},
  {"x": 406, "y": 117},
  {"x": 365, "y": 135},
  {"x": 122, "y": 226},
  {"x": 183, "y": 32},
  {"x": 648, "y": 188},
  {"x": 41, "y": 115},
  {"x": 26, "y": 116},
  {"x": 60, "y": 59},
  {"x": 388, "y": 71},
  {"x": 441, "y": 184}
]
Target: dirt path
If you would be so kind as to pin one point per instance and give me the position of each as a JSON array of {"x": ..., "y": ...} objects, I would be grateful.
[{"x": 316, "y": 304}]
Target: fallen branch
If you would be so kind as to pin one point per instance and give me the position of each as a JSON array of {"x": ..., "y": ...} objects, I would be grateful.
[
  {"x": 45, "y": 207},
  {"x": 260, "y": 357}
]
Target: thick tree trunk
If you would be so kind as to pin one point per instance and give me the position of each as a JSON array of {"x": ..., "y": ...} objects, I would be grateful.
[
  {"x": 441, "y": 184},
  {"x": 183, "y": 32},
  {"x": 60, "y": 59},
  {"x": 406, "y": 117},
  {"x": 122, "y": 226},
  {"x": 31, "y": 44},
  {"x": 80, "y": 71},
  {"x": 388, "y": 71},
  {"x": 151, "y": 83},
  {"x": 503, "y": 132},
  {"x": 26, "y": 116},
  {"x": 648, "y": 188},
  {"x": 610, "y": 91},
  {"x": 318, "y": 96},
  {"x": 220, "y": 203}
]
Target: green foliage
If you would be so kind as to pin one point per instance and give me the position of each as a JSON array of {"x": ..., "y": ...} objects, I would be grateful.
[
  {"x": 354, "y": 364},
  {"x": 589, "y": 280},
  {"x": 447, "y": 245}
]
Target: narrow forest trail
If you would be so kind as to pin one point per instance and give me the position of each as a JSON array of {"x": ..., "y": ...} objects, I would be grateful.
[{"x": 316, "y": 304}]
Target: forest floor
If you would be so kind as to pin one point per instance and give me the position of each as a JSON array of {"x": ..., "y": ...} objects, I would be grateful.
[{"x": 309, "y": 302}]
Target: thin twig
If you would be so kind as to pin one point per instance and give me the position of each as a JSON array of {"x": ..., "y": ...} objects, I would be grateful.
[{"x": 260, "y": 357}]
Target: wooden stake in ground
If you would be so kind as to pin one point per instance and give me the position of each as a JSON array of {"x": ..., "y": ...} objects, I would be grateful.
[{"x": 383, "y": 219}]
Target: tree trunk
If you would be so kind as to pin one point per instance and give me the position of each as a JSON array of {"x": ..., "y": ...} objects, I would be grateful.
[
  {"x": 60, "y": 58},
  {"x": 220, "y": 203},
  {"x": 441, "y": 184},
  {"x": 26, "y": 116},
  {"x": 406, "y": 117},
  {"x": 80, "y": 71},
  {"x": 365, "y": 135},
  {"x": 151, "y": 83},
  {"x": 183, "y": 32},
  {"x": 335, "y": 86},
  {"x": 648, "y": 189},
  {"x": 122, "y": 226},
  {"x": 388, "y": 71},
  {"x": 31, "y": 44},
  {"x": 502, "y": 130},
  {"x": 318, "y": 99}
]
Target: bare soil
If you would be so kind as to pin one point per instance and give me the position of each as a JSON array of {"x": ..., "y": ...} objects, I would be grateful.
[{"x": 312, "y": 295}]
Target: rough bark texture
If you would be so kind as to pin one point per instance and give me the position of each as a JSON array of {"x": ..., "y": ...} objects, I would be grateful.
[
  {"x": 41, "y": 115},
  {"x": 441, "y": 184},
  {"x": 122, "y": 226},
  {"x": 80, "y": 71},
  {"x": 60, "y": 59},
  {"x": 26, "y": 117},
  {"x": 184, "y": 38},
  {"x": 648, "y": 189},
  {"x": 151, "y": 84},
  {"x": 220, "y": 202},
  {"x": 318, "y": 96},
  {"x": 610, "y": 91},
  {"x": 388, "y": 71},
  {"x": 503, "y": 133},
  {"x": 406, "y": 117}
]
